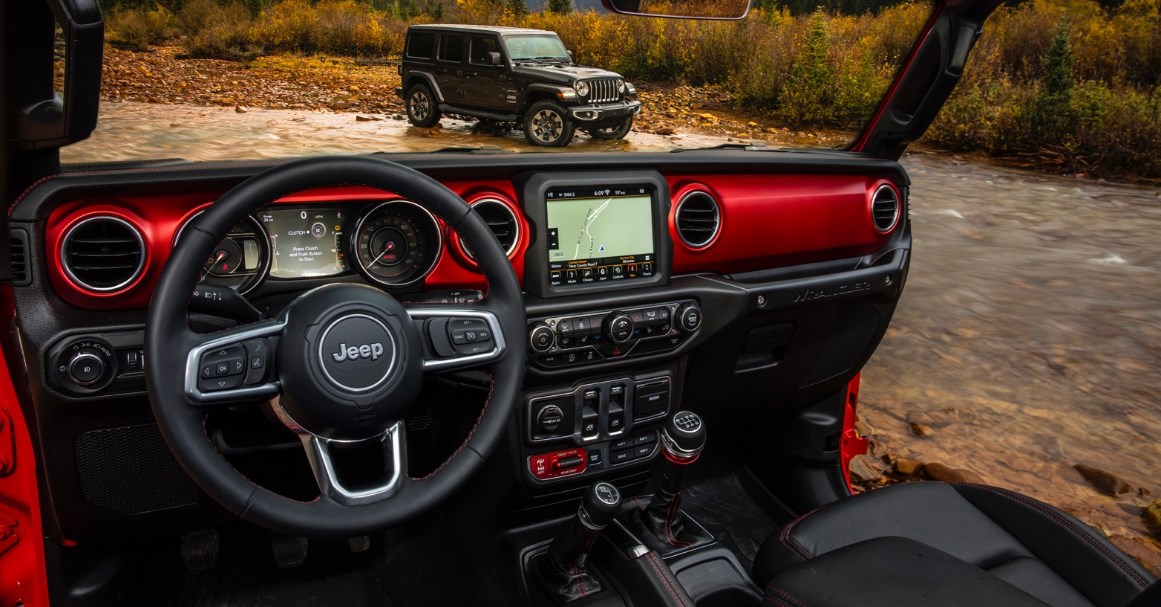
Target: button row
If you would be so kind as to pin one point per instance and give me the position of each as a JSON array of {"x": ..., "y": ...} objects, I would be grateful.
[
  {"x": 455, "y": 336},
  {"x": 629, "y": 449},
  {"x": 601, "y": 273},
  {"x": 235, "y": 365}
]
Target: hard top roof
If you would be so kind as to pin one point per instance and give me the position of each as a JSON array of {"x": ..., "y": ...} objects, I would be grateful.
[{"x": 492, "y": 29}]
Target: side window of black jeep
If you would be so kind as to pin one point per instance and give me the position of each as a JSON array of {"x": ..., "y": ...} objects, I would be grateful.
[
  {"x": 421, "y": 45},
  {"x": 481, "y": 47},
  {"x": 451, "y": 48}
]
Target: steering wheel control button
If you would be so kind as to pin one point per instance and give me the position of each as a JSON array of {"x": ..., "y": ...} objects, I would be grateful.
[
  {"x": 86, "y": 368},
  {"x": 217, "y": 384},
  {"x": 258, "y": 359},
  {"x": 469, "y": 336}
]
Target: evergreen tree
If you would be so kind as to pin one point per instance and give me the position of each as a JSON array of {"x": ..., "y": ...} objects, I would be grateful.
[
  {"x": 516, "y": 7},
  {"x": 561, "y": 7}
]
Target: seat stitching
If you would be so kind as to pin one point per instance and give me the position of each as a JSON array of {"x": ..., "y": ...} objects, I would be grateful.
[
  {"x": 652, "y": 558},
  {"x": 785, "y": 596},
  {"x": 790, "y": 542},
  {"x": 1069, "y": 525}
]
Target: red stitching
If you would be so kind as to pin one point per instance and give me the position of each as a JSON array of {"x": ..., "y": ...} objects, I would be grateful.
[
  {"x": 670, "y": 517},
  {"x": 472, "y": 432},
  {"x": 1079, "y": 532},
  {"x": 680, "y": 600},
  {"x": 785, "y": 596},
  {"x": 790, "y": 542}
]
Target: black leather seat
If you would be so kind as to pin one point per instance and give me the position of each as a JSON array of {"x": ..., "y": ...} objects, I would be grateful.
[{"x": 1018, "y": 541}]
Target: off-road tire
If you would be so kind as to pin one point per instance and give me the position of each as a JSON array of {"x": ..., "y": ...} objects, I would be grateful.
[
  {"x": 548, "y": 124},
  {"x": 422, "y": 108},
  {"x": 613, "y": 132}
]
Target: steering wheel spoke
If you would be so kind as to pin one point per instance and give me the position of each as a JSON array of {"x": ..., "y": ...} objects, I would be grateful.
[
  {"x": 320, "y": 452},
  {"x": 234, "y": 365},
  {"x": 458, "y": 338}
]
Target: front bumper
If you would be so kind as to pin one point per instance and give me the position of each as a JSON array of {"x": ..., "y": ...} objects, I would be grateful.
[{"x": 605, "y": 113}]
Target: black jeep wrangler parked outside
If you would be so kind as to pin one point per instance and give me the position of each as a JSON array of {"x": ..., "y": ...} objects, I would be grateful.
[{"x": 507, "y": 74}]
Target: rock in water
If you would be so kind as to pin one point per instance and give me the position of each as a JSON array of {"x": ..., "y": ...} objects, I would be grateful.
[
  {"x": 919, "y": 429},
  {"x": 1152, "y": 516},
  {"x": 240, "y": 109},
  {"x": 1103, "y": 481},
  {"x": 908, "y": 467},
  {"x": 947, "y": 474},
  {"x": 863, "y": 471}
]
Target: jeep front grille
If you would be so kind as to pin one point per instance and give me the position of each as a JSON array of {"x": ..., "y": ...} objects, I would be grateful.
[{"x": 603, "y": 90}]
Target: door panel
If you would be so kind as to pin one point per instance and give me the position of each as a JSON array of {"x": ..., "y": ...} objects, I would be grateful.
[
  {"x": 486, "y": 84},
  {"x": 449, "y": 67}
]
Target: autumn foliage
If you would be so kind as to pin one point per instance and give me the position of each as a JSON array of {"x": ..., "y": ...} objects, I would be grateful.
[{"x": 804, "y": 69}]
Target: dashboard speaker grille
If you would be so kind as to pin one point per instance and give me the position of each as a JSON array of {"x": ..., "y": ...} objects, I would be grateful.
[
  {"x": 103, "y": 253},
  {"x": 130, "y": 470},
  {"x": 885, "y": 208},
  {"x": 18, "y": 258},
  {"x": 501, "y": 221},
  {"x": 698, "y": 219}
]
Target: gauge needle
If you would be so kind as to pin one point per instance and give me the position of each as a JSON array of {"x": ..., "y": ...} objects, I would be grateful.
[
  {"x": 217, "y": 260},
  {"x": 387, "y": 249}
]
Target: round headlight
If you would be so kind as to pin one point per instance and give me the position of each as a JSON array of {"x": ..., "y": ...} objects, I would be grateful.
[
  {"x": 582, "y": 88},
  {"x": 621, "y": 86}
]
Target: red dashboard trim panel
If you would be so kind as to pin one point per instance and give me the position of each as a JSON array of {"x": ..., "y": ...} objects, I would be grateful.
[{"x": 767, "y": 221}]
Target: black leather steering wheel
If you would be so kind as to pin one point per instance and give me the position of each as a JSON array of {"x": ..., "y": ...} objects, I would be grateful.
[{"x": 348, "y": 360}]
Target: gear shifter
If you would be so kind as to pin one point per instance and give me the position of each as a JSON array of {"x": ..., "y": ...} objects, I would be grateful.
[
  {"x": 562, "y": 569},
  {"x": 661, "y": 522}
]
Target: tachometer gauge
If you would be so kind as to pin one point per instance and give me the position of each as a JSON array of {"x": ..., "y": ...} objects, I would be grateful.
[
  {"x": 397, "y": 243},
  {"x": 239, "y": 261}
]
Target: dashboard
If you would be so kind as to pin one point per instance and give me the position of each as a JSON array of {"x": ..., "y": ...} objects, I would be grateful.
[{"x": 650, "y": 283}]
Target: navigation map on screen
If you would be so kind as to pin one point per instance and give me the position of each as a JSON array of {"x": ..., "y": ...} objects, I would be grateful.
[{"x": 598, "y": 235}]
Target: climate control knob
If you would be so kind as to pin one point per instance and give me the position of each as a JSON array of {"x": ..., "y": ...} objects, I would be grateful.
[
  {"x": 689, "y": 317},
  {"x": 541, "y": 337},
  {"x": 618, "y": 327}
]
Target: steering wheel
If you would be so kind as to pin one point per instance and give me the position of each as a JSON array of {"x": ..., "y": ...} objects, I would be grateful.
[{"x": 344, "y": 362}]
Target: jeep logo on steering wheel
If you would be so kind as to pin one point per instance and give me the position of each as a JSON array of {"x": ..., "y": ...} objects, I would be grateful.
[{"x": 372, "y": 351}]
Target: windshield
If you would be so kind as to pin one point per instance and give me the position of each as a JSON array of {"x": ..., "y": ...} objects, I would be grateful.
[
  {"x": 228, "y": 80},
  {"x": 536, "y": 47}
]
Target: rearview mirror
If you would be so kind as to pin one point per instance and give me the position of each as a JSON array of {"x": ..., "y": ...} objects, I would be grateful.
[{"x": 681, "y": 9}]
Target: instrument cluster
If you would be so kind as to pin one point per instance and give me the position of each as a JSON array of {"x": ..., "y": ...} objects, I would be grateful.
[{"x": 394, "y": 243}]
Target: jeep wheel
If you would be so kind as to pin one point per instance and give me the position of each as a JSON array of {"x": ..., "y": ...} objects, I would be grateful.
[
  {"x": 613, "y": 132},
  {"x": 546, "y": 123},
  {"x": 421, "y": 107}
]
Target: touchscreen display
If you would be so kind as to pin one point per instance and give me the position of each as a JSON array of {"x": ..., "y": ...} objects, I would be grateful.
[
  {"x": 305, "y": 243},
  {"x": 599, "y": 234}
]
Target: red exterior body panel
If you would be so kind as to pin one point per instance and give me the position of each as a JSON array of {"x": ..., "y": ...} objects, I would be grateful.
[
  {"x": 851, "y": 444},
  {"x": 23, "y": 576}
]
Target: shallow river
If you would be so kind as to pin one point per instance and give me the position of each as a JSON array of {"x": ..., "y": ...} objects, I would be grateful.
[{"x": 1028, "y": 338}]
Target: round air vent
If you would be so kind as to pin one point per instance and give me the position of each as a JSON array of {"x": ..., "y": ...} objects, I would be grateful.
[
  {"x": 885, "y": 208},
  {"x": 102, "y": 253},
  {"x": 697, "y": 218},
  {"x": 501, "y": 221}
]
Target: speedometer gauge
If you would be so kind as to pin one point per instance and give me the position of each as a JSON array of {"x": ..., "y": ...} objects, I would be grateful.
[{"x": 397, "y": 243}]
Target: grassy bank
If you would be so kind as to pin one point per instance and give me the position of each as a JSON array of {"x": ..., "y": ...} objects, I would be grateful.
[{"x": 1061, "y": 83}]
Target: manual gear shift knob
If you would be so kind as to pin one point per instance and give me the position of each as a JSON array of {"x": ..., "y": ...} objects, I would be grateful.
[
  {"x": 600, "y": 506},
  {"x": 683, "y": 437}
]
